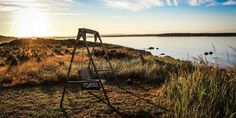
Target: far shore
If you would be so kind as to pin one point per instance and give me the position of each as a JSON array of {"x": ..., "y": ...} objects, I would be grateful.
[
  {"x": 162, "y": 35},
  {"x": 8, "y": 38},
  {"x": 175, "y": 35}
]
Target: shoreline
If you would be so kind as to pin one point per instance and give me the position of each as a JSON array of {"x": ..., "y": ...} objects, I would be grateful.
[
  {"x": 156, "y": 35},
  {"x": 7, "y": 38},
  {"x": 222, "y": 63},
  {"x": 175, "y": 35}
]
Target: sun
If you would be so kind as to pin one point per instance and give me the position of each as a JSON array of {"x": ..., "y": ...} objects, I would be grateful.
[{"x": 31, "y": 22}]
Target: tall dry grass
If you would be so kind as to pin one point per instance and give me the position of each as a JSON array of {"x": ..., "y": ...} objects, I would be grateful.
[
  {"x": 194, "y": 90},
  {"x": 206, "y": 92}
]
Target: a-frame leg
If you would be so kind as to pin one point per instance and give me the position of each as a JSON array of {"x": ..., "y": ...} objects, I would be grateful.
[
  {"x": 108, "y": 60},
  {"x": 95, "y": 68},
  {"x": 68, "y": 73}
]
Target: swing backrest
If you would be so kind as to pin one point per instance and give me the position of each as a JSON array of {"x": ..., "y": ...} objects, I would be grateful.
[{"x": 85, "y": 74}]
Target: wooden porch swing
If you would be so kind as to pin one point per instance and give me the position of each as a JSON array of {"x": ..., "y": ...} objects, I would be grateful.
[{"x": 85, "y": 74}]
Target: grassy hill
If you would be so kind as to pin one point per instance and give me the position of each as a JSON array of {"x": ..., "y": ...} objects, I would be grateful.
[
  {"x": 6, "y": 38},
  {"x": 32, "y": 73}
]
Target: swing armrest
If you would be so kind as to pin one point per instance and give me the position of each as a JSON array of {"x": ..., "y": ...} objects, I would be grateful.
[
  {"x": 84, "y": 81},
  {"x": 103, "y": 70}
]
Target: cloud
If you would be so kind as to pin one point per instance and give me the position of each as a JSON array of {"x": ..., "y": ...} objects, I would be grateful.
[
  {"x": 44, "y": 5},
  {"x": 171, "y": 2},
  {"x": 202, "y": 2},
  {"x": 68, "y": 14},
  {"x": 136, "y": 5},
  {"x": 230, "y": 2}
]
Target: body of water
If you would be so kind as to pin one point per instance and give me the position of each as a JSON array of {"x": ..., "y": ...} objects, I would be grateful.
[{"x": 185, "y": 48}]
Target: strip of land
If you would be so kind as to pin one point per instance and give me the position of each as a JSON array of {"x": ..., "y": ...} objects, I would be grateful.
[
  {"x": 174, "y": 35},
  {"x": 9, "y": 38}
]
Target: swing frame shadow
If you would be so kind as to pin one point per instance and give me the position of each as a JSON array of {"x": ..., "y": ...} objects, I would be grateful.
[{"x": 82, "y": 34}]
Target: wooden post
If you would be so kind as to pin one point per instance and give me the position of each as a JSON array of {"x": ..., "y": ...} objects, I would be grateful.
[{"x": 69, "y": 70}]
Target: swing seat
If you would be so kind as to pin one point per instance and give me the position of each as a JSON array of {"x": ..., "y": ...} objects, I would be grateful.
[
  {"x": 89, "y": 83},
  {"x": 101, "y": 72}
]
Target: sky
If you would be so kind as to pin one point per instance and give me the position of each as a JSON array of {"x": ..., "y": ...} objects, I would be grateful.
[{"x": 25, "y": 18}]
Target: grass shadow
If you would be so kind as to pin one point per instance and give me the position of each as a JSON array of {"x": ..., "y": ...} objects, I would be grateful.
[
  {"x": 136, "y": 85},
  {"x": 146, "y": 100},
  {"x": 113, "y": 109},
  {"x": 65, "y": 114}
]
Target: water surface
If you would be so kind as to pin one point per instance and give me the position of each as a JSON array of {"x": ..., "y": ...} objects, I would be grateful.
[{"x": 185, "y": 48}]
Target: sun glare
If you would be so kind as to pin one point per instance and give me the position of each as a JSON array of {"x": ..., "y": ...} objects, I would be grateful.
[{"x": 31, "y": 22}]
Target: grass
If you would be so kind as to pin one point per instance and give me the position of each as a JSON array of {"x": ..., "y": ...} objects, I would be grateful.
[
  {"x": 43, "y": 101},
  {"x": 206, "y": 92},
  {"x": 161, "y": 86}
]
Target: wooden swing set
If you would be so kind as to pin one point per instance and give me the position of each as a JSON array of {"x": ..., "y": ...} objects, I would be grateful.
[{"x": 85, "y": 74}]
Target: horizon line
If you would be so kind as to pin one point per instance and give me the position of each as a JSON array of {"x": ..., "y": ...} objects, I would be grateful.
[{"x": 139, "y": 34}]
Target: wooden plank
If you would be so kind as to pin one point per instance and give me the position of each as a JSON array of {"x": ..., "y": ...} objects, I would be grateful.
[
  {"x": 84, "y": 81},
  {"x": 84, "y": 30}
]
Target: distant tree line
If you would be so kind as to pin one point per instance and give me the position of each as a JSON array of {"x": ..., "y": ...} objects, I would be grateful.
[{"x": 173, "y": 34}]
